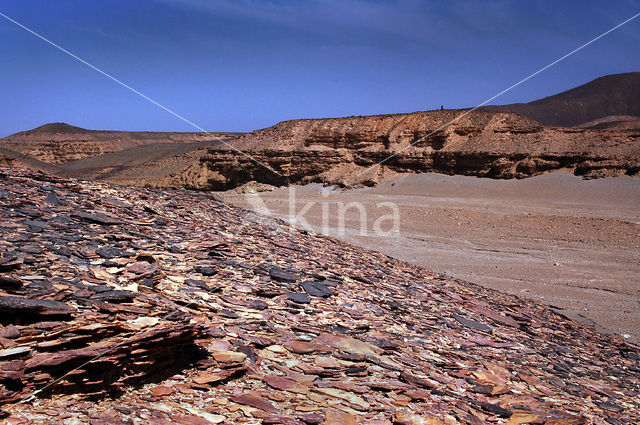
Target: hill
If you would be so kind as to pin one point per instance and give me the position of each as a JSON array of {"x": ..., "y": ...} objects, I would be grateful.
[
  {"x": 614, "y": 122},
  {"x": 55, "y": 127},
  {"x": 607, "y": 96},
  {"x": 58, "y": 143}
]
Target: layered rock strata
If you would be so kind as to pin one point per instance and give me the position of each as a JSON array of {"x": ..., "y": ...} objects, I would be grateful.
[
  {"x": 59, "y": 143},
  {"x": 341, "y": 150}
]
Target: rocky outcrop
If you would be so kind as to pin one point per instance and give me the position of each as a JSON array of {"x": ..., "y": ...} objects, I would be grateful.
[{"x": 347, "y": 151}]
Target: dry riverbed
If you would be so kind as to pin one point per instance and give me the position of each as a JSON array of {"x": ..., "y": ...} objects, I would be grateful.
[{"x": 570, "y": 243}]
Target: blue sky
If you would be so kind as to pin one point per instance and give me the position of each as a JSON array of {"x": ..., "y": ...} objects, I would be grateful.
[{"x": 240, "y": 65}]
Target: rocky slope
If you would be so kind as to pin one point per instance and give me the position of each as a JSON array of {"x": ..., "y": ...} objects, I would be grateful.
[
  {"x": 341, "y": 150},
  {"x": 9, "y": 158},
  {"x": 615, "y": 122},
  {"x": 58, "y": 143},
  {"x": 129, "y": 305}
]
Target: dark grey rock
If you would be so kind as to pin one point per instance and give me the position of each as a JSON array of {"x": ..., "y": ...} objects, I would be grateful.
[
  {"x": 10, "y": 304},
  {"x": 258, "y": 305},
  {"x": 206, "y": 270},
  {"x": 52, "y": 199},
  {"x": 316, "y": 289},
  {"x": 62, "y": 250},
  {"x": 7, "y": 282},
  {"x": 197, "y": 283},
  {"x": 35, "y": 225},
  {"x": 114, "y": 296},
  {"x": 280, "y": 275},
  {"x": 472, "y": 324},
  {"x": 107, "y": 252},
  {"x": 299, "y": 297},
  {"x": 97, "y": 218}
]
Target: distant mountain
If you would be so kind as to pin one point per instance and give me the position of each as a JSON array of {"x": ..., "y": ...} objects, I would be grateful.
[
  {"x": 56, "y": 127},
  {"x": 608, "y": 96}
]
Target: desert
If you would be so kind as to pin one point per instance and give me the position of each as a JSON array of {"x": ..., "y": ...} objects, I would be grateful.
[
  {"x": 315, "y": 213},
  {"x": 264, "y": 263}
]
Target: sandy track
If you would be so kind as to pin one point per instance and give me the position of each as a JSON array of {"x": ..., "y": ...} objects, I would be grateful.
[{"x": 570, "y": 243}]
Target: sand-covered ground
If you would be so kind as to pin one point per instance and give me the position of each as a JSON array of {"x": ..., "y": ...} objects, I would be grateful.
[{"x": 570, "y": 243}]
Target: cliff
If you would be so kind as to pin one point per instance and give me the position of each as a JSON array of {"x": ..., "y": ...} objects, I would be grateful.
[{"x": 340, "y": 150}]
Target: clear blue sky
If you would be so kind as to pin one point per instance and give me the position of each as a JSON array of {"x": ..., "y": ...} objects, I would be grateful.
[{"x": 247, "y": 64}]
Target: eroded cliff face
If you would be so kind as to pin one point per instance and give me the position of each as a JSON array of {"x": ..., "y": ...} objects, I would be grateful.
[{"x": 342, "y": 150}]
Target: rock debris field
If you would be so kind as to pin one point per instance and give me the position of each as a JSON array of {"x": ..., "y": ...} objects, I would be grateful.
[{"x": 124, "y": 305}]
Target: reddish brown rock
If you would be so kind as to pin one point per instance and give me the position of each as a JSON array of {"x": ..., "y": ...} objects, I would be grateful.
[
  {"x": 285, "y": 384},
  {"x": 9, "y": 332},
  {"x": 337, "y": 417},
  {"x": 161, "y": 391},
  {"x": 304, "y": 347},
  {"x": 255, "y": 400}
]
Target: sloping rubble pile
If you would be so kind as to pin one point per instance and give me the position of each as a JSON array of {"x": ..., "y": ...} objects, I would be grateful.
[{"x": 161, "y": 307}]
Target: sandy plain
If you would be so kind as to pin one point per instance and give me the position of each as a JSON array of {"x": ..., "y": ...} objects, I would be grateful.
[{"x": 570, "y": 243}]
